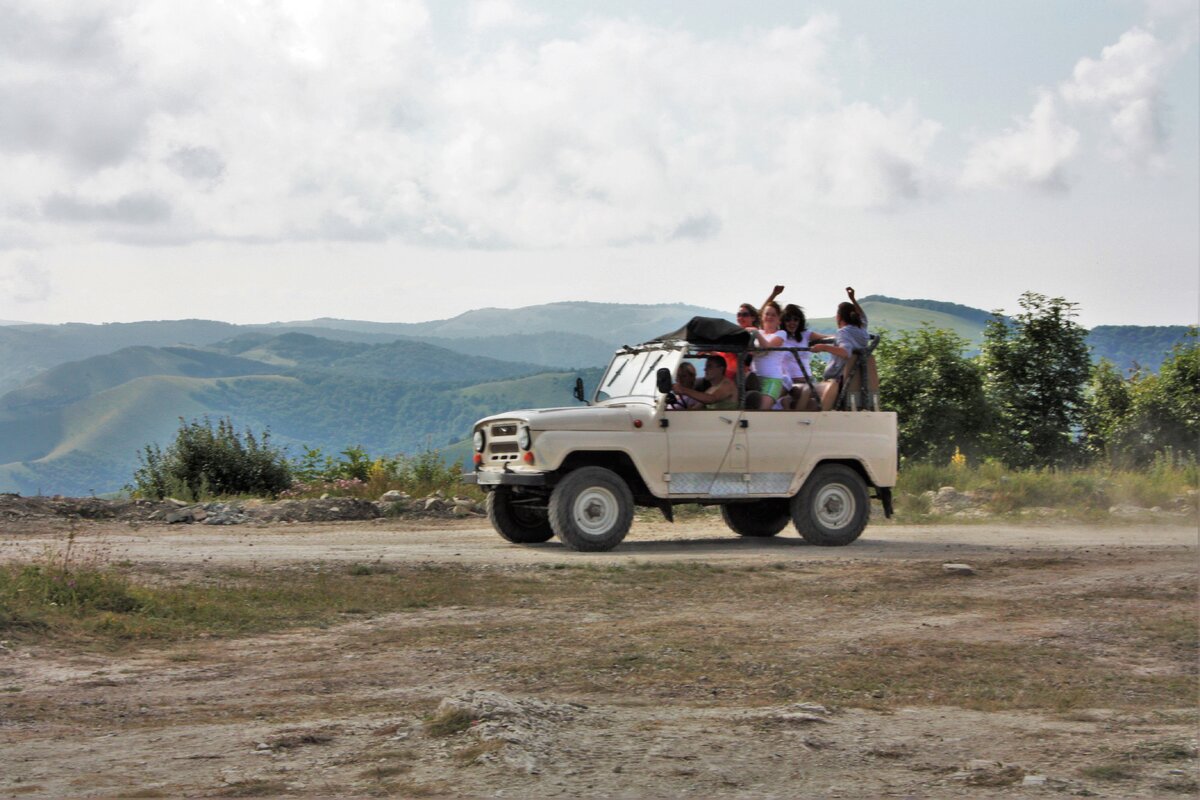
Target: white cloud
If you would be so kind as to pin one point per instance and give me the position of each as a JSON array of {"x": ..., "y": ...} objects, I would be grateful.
[
  {"x": 334, "y": 120},
  {"x": 1125, "y": 83},
  {"x": 485, "y": 15},
  {"x": 25, "y": 282},
  {"x": 1034, "y": 152}
]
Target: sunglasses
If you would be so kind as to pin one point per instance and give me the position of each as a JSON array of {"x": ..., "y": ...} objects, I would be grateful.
[
  {"x": 744, "y": 314},
  {"x": 791, "y": 319}
]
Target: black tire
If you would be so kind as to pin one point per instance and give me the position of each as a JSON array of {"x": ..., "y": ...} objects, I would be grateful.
[
  {"x": 762, "y": 518},
  {"x": 518, "y": 523},
  {"x": 591, "y": 509},
  {"x": 832, "y": 508}
]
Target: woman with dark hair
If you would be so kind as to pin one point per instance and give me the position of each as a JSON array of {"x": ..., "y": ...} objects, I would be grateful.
[
  {"x": 795, "y": 326},
  {"x": 851, "y": 335}
]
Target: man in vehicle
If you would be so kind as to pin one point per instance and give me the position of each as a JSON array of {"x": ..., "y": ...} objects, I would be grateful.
[{"x": 721, "y": 393}]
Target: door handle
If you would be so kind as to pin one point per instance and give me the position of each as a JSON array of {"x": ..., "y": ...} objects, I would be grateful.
[
  {"x": 804, "y": 422},
  {"x": 725, "y": 419}
]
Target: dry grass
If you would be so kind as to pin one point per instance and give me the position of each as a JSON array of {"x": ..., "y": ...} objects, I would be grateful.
[
  {"x": 255, "y": 787},
  {"x": 470, "y": 753},
  {"x": 1006, "y": 639},
  {"x": 448, "y": 723}
]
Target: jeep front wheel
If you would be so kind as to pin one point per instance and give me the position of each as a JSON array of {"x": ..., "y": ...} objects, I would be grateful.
[
  {"x": 761, "y": 518},
  {"x": 833, "y": 507},
  {"x": 517, "y": 522},
  {"x": 591, "y": 509}
]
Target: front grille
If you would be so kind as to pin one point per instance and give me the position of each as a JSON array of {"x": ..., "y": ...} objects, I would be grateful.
[{"x": 502, "y": 443}]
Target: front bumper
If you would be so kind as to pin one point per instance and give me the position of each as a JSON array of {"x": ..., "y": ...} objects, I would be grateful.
[{"x": 498, "y": 478}]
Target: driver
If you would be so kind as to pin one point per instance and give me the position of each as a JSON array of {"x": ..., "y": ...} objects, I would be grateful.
[{"x": 721, "y": 393}]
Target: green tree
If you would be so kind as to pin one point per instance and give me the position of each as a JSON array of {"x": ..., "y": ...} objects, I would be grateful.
[
  {"x": 1036, "y": 367},
  {"x": 937, "y": 392},
  {"x": 204, "y": 461},
  {"x": 1148, "y": 414},
  {"x": 1108, "y": 403}
]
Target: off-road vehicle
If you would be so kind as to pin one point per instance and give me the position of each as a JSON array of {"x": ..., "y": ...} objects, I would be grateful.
[{"x": 578, "y": 472}]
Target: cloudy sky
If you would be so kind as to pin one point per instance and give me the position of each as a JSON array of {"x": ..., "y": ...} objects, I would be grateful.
[{"x": 265, "y": 160}]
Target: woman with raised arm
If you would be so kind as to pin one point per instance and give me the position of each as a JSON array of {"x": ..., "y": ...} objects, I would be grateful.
[
  {"x": 851, "y": 335},
  {"x": 773, "y": 379}
]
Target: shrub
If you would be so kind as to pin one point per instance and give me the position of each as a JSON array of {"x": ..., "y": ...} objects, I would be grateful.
[
  {"x": 357, "y": 474},
  {"x": 207, "y": 462}
]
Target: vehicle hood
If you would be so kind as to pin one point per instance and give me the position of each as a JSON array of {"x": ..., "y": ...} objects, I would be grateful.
[{"x": 571, "y": 418}]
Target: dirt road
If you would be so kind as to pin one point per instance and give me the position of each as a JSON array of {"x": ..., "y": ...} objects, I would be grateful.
[
  {"x": 474, "y": 543},
  {"x": 704, "y": 666}
]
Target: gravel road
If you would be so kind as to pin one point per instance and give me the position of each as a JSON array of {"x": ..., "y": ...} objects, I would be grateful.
[{"x": 471, "y": 541}]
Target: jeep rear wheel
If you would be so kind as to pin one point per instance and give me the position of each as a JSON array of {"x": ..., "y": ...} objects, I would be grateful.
[
  {"x": 519, "y": 523},
  {"x": 591, "y": 509},
  {"x": 833, "y": 507},
  {"x": 761, "y": 518}
]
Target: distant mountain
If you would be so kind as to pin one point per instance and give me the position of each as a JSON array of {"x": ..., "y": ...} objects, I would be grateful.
[
  {"x": 1124, "y": 345},
  {"x": 1132, "y": 346},
  {"x": 78, "y": 402},
  {"x": 26, "y": 350},
  {"x": 67, "y": 383},
  {"x": 586, "y": 334},
  {"x": 607, "y": 322},
  {"x": 78, "y": 427}
]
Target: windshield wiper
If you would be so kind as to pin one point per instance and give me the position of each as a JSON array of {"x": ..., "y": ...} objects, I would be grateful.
[
  {"x": 650, "y": 368},
  {"x": 617, "y": 374}
]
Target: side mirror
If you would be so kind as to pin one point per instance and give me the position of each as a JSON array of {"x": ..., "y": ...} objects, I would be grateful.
[
  {"x": 663, "y": 376},
  {"x": 579, "y": 390}
]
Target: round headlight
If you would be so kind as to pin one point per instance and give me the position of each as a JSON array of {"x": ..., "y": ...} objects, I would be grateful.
[
  {"x": 478, "y": 441},
  {"x": 523, "y": 438}
]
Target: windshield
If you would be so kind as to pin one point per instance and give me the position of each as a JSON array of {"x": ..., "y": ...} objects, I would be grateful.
[{"x": 632, "y": 375}]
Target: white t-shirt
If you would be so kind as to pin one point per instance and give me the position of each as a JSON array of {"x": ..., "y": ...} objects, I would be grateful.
[
  {"x": 770, "y": 364},
  {"x": 792, "y": 369}
]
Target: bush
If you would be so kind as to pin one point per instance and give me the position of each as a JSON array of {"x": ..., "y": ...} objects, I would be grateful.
[
  {"x": 205, "y": 462},
  {"x": 357, "y": 474}
]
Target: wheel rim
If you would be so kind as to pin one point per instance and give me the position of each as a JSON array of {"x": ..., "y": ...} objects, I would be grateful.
[
  {"x": 595, "y": 511},
  {"x": 834, "y": 507}
]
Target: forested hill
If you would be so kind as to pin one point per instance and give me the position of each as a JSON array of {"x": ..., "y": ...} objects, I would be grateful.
[
  {"x": 78, "y": 402},
  {"x": 1126, "y": 346},
  {"x": 78, "y": 428},
  {"x": 1135, "y": 346},
  {"x": 974, "y": 315}
]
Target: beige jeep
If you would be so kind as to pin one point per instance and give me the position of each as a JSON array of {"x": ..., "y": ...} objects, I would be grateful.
[{"x": 578, "y": 472}]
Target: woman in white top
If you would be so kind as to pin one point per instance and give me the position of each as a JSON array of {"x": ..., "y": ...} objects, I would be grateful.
[
  {"x": 769, "y": 366},
  {"x": 795, "y": 328}
]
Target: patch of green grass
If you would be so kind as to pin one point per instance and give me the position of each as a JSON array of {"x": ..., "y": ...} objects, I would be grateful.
[
  {"x": 1116, "y": 771},
  {"x": 1163, "y": 750},
  {"x": 381, "y": 772},
  {"x": 108, "y": 606},
  {"x": 370, "y": 569},
  {"x": 1181, "y": 785},
  {"x": 1084, "y": 493},
  {"x": 256, "y": 787},
  {"x": 448, "y": 723},
  {"x": 290, "y": 741}
]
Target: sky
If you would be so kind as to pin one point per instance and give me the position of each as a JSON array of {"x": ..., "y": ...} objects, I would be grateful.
[{"x": 255, "y": 161}]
